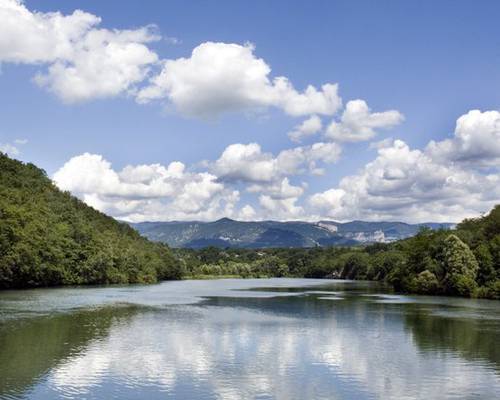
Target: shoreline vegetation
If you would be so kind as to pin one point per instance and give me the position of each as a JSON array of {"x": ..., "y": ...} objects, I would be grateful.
[
  {"x": 50, "y": 238},
  {"x": 461, "y": 262}
]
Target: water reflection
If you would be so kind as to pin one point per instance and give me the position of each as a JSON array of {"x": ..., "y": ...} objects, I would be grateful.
[
  {"x": 238, "y": 347},
  {"x": 473, "y": 338},
  {"x": 31, "y": 348}
]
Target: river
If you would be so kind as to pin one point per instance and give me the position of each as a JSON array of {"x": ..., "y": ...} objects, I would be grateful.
[{"x": 246, "y": 339}]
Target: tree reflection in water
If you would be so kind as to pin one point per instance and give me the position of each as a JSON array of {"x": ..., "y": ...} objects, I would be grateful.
[{"x": 333, "y": 342}]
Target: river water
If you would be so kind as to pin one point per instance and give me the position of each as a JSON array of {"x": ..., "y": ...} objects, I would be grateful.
[{"x": 246, "y": 339}]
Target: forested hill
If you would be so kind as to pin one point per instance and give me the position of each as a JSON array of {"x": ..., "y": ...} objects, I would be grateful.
[
  {"x": 48, "y": 237},
  {"x": 461, "y": 262}
]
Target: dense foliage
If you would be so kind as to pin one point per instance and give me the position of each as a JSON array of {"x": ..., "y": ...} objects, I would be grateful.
[
  {"x": 462, "y": 262},
  {"x": 48, "y": 237}
]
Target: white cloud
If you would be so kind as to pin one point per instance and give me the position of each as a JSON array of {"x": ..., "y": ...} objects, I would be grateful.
[
  {"x": 399, "y": 184},
  {"x": 146, "y": 192},
  {"x": 309, "y": 127},
  {"x": 283, "y": 209},
  {"x": 476, "y": 141},
  {"x": 80, "y": 61},
  {"x": 224, "y": 77},
  {"x": 91, "y": 173},
  {"x": 278, "y": 191},
  {"x": 247, "y": 162},
  {"x": 380, "y": 144},
  {"x": 158, "y": 192},
  {"x": 268, "y": 175},
  {"x": 247, "y": 213},
  {"x": 103, "y": 64},
  {"x": 34, "y": 37},
  {"x": 409, "y": 185},
  {"x": 12, "y": 149},
  {"x": 329, "y": 202},
  {"x": 292, "y": 161},
  {"x": 358, "y": 123},
  {"x": 327, "y": 152},
  {"x": 84, "y": 62},
  {"x": 172, "y": 40},
  {"x": 9, "y": 149}
]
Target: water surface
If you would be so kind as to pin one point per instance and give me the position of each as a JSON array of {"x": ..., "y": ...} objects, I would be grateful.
[{"x": 246, "y": 339}]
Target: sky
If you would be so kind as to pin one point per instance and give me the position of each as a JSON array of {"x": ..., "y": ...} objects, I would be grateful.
[{"x": 339, "y": 110}]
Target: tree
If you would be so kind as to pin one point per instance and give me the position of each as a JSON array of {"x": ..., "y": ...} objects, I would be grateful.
[
  {"x": 461, "y": 267},
  {"x": 494, "y": 247},
  {"x": 425, "y": 283},
  {"x": 356, "y": 266},
  {"x": 282, "y": 270},
  {"x": 492, "y": 223},
  {"x": 48, "y": 237},
  {"x": 486, "y": 271}
]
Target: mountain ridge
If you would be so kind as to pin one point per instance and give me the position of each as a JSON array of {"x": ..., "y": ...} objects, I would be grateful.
[{"x": 227, "y": 232}]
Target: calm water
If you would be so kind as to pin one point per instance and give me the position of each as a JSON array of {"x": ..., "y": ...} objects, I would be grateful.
[{"x": 246, "y": 339}]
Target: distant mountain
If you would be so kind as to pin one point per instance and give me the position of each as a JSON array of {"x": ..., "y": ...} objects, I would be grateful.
[{"x": 226, "y": 232}]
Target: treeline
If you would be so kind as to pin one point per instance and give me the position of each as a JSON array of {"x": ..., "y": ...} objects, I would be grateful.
[
  {"x": 48, "y": 237},
  {"x": 462, "y": 262}
]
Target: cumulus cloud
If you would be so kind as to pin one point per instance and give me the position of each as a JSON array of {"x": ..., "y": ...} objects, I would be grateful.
[
  {"x": 247, "y": 213},
  {"x": 146, "y": 192},
  {"x": 158, "y": 192},
  {"x": 329, "y": 202},
  {"x": 401, "y": 183},
  {"x": 284, "y": 209},
  {"x": 84, "y": 61},
  {"x": 445, "y": 181},
  {"x": 295, "y": 160},
  {"x": 79, "y": 60},
  {"x": 278, "y": 191},
  {"x": 309, "y": 127},
  {"x": 224, "y": 77},
  {"x": 268, "y": 175},
  {"x": 409, "y": 185},
  {"x": 476, "y": 141},
  {"x": 248, "y": 163},
  {"x": 359, "y": 123},
  {"x": 103, "y": 64},
  {"x": 34, "y": 37}
]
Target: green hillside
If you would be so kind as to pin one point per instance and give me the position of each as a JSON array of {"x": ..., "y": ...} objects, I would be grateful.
[
  {"x": 48, "y": 237},
  {"x": 461, "y": 262}
]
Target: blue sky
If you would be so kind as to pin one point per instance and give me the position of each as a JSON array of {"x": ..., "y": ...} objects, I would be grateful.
[{"x": 432, "y": 62}]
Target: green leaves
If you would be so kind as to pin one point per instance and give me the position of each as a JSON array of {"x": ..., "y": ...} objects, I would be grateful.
[
  {"x": 48, "y": 237},
  {"x": 461, "y": 267}
]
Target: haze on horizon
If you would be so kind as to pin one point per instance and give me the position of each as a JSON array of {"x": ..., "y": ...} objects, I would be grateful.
[{"x": 326, "y": 111}]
